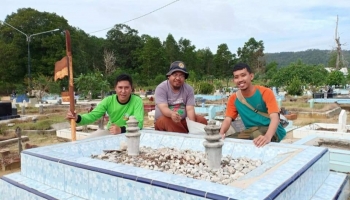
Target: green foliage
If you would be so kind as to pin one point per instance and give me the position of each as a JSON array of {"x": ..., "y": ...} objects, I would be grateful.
[
  {"x": 154, "y": 82},
  {"x": 309, "y": 57},
  {"x": 54, "y": 87},
  {"x": 308, "y": 74},
  {"x": 252, "y": 54},
  {"x": 335, "y": 78},
  {"x": 44, "y": 84},
  {"x": 222, "y": 60},
  {"x": 217, "y": 84},
  {"x": 294, "y": 87},
  {"x": 332, "y": 62},
  {"x": 145, "y": 58},
  {"x": 205, "y": 88},
  {"x": 192, "y": 76},
  {"x": 94, "y": 82}
]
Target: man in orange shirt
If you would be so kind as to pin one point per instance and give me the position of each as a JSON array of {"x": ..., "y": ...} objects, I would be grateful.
[{"x": 260, "y": 129}]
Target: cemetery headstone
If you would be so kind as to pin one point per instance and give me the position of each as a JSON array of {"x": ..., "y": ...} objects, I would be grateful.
[{"x": 342, "y": 121}]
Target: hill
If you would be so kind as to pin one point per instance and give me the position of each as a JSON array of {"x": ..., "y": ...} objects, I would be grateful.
[{"x": 312, "y": 56}]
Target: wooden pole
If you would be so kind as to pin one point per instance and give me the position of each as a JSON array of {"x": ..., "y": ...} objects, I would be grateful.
[
  {"x": 71, "y": 84},
  {"x": 19, "y": 136}
]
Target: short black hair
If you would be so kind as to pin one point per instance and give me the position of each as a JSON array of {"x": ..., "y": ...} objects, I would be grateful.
[
  {"x": 123, "y": 77},
  {"x": 241, "y": 66}
]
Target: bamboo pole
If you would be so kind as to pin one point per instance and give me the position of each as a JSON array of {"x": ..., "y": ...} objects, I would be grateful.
[{"x": 71, "y": 84}]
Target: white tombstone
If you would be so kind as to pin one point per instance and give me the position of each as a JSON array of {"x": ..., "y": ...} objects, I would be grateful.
[
  {"x": 151, "y": 115},
  {"x": 342, "y": 121},
  {"x": 13, "y": 105},
  {"x": 23, "y": 103}
]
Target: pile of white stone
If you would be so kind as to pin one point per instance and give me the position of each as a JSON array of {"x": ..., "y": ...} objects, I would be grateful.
[{"x": 183, "y": 162}]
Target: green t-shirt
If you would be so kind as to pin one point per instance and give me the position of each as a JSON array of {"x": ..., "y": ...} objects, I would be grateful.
[{"x": 118, "y": 113}]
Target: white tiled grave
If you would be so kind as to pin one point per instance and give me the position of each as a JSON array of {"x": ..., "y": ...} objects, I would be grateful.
[
  {"x": 67, "y": 133},
  {"x": 339, "y": 130},
  {"x": 66, "y": 171},
  {"x": 320, "y": 129},
  {"x": 339, "y": 159}
]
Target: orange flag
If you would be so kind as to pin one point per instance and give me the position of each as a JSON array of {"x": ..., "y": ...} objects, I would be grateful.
[{"x": 61, "y": 68}]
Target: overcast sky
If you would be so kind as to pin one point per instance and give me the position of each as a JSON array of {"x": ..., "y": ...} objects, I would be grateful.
[{"x": 283, "y": 25}]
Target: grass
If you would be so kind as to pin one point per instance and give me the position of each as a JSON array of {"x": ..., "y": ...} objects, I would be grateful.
[
  {"x": 305, "y": 107},
  {"x": 42, "y": 123}
]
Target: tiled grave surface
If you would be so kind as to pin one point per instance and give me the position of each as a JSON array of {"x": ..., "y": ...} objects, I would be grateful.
[
  {"x": 339, "y": 159},
  {"x": 288, "y": 171}
]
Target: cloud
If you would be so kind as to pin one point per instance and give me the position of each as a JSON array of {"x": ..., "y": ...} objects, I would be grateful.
[{"x": 283, "y": 25}]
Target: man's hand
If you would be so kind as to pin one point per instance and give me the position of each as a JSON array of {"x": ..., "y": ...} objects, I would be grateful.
[
  {"x": 261, "y": 140},
  {"x": 175, "y": 117},
  {"x": 71, "y": 115},
  {"x": 114, "y": 129},
  {"x": 223, "y": 135}
]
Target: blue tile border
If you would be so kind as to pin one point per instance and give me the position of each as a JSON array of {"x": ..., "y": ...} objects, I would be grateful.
[
  {"x": 300, "y": 172},
  {"x": 28, "y": 189},
  {"x": 341, "y": 187},
  {"x": 314, "y": 153},
  {"x": 217, "y": 197},
  {"x": 155, "y": 183}
]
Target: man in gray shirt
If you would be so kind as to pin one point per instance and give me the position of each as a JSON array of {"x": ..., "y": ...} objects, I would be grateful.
[{"x": 175, "y": 101}]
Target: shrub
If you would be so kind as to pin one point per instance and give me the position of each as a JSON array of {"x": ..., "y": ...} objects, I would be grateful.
[
  {"x": 294, "y": 88},
  {"x": 205, "y": 88}
]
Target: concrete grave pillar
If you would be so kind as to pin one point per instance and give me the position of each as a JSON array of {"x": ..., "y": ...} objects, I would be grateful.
[
  {"x": 211, "y": 112},
  {"x": 342, "y": 121},
  {"x": 133, "y": 136},
  {"x": 41, "y": 109},
  {"x": 213, "y": 145},
  {"x": 23, "y": 108}
]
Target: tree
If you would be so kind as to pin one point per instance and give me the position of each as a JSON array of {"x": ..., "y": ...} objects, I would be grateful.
[
  {"x": 109, "y": 60},
  {"x": 335, "y": 77},
  {"x": 95, "y": 83},
  {"x": 307, "y": 74},
  {"x": 294, "y": 87},
  {"x": 333, "y": 60},
  {"x": 205, "y": 63},
  {"x": 124, "y": 42},
  {"x": 187, "y": 53},
  {"x": 152, "y": 57},
  {"x": 205, "y": 88},
  {"x": 222, "y": 60},
  {"x": 171, "y": 49},
  {"x": 252, "y": 54},
  {"x": 270, "y": 71},
  {"x": 42, "y": 85},
  {"x": 44, "y": 48}
]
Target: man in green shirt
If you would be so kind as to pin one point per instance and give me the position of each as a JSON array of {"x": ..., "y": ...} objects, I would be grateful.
[{"x": 119, "y": 107}]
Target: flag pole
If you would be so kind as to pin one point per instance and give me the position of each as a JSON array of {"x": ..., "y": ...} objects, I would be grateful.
[{"x": 71, "y": 84}]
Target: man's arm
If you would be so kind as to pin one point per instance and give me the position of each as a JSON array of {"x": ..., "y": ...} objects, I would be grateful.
[
  {"x": 165, "y": 110},
  {"x": 162, "y": 104},
  {"x": 275, "y": 120},
  {"x": 231, "y": 113},
  {"x": 95, "y": 114},
  {"x": 225, "y": 126},
  {"x": 262, "y": 140},
  {"x": 272, "y": 108},
  {"x": 191, "y": 113}
]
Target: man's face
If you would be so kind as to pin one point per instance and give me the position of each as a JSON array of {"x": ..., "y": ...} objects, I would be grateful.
[
  {"x": 177, "y": 79},
  {"x": 123, "y": 90},
  {"x": 242, "y": 79}
]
